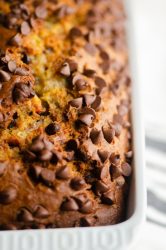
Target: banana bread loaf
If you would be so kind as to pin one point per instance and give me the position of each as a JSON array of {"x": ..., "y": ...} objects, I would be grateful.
[{"x": 65, "y": 140}]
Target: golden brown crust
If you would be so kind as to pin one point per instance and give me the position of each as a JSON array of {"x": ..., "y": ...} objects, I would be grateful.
[{"x": 65, "y": 148}]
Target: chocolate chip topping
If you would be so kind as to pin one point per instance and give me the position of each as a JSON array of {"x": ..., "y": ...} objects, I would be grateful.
[
  {"x": 86, "y": 207},
  {"x": 126, "y": 169},
  {"x": 4, "y": 76},
  {"x": 52, "y": 128},
  {"x": 12, "y": 66},
  {"x": 120, "y": 181},
  {"x": 21, "y": 71},
  {"x": 87, "y": 222},
  {"x": 89, "y": 99},
  {"x": 100, "y": 83},
  {"x": 41, "y": 212},
  {"x": 63, "y": 173},
  {"x": 8, "y": 195},
  {"x": 108, "y": 133},
  {"x": 41, "y": 12},
  {"x": 69, "y": 205},
  {"x": 96, "y": 104},
  {"x": 47, "y": 176},
  {"x": 96, "y": 136},
  {"x": 21, "y": 92},
  {"x": 108, "y": 197},
  {"x": 45, "y": 155},
  {"x": 75, "y": 32},
  {"x": 25, "y": 28},
  {"x": 3, "y": 166},
  {"x": 115, "y": 159},
  {"x": 86, "y": 119},
  {"x": 65, "y": 69},
  {"x": 90, "y": 48},
  {"x": 35, "y": 171},
  {"x": 103, "y": 155},
  {"x": 80, "y": 84},
  {"x": 76, "y": 103},
  {"x": 100, "y": 188},
  {"x": 24, "y": 215},
  {"x": 72, "y": 145},
  {"x": 77, "y": 183}
]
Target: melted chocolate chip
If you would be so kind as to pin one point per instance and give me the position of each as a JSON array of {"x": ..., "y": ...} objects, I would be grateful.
[
  {"x": 63, "y": 173},
  {"x": 75, "y": 32},
  {"x": 8, "y": 195},
  {"x": 52, "y": 128}
]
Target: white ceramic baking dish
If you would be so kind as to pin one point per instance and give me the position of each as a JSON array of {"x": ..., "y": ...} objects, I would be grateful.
[{"x": 116, "y": 237}]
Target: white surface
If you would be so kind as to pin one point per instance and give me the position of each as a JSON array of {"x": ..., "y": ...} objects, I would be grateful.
[{"x": 150, "y": 31}]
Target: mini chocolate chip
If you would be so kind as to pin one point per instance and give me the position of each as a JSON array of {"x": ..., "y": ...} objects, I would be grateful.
[
  {"x": 4, "y": 76},
  {"x": 35, "y": 171},
  {"x": 115, "y": 159},
  {"x": 90, "y": 48},
  {"x": 103, "y": 155},
  {"x": 12, "y": 66},
  {"x": 28, "y": 155},
  {"x": 89, "y": 99},
  {"x": 45, "y": 155},
  {"x": 100, "y": 187},
  {"x": 77, "y": 103},
  {"x": 21, "y": 71},
  {"x": 86, "y": 207},
  {"x": 63, "y": 173},
  {"x": 108, "y": 197},
  {"x": 72, "y": 145},
  {"x": 122, "y": 110},
  {"x": 104, "y": 55},
  {"x": 96, "y": 136},
  {"x": 77, "y": 183},
  {"x": 47, "y": 176},
  {"x": 108, "y": 133},
  {"x": 65, "y": 69},
  {"x": 3, "y": 166},
  {"x": 104, "y": 172},
  {"x": 69, "y": 205},
  {"x": 24, "y": 215},
  {"x": 72, "y": 64},
  {"x": 129, "y": 154},
  {"x": 120, "y": 181},
  {"x": 87, "y": 119},
  {"x": 89, "y": 72},
  {"x": 8, "y": 195},
  {"x": 15, "y": 40},
  {"x": 25, "y": 28},
  {"x": 80, "y": 84},
  {"x": 100, "y": 83},
  {"x": 87, "y": 222},
  {"x": 126, "y": 169},
  {"x": 75, "y": 32},
  {"x": 88, "y": 110},
  {"x": 52, "y": 128},
  {"x": 96, "y": 104},
  {"x": 41, "y": 12},
  {"x": 37, "y": 144},
  {"x": 41, "y": 212}
]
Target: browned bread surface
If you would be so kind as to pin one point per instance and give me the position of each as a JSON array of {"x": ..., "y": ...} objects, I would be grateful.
[{"x": 65, "y": 141}]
